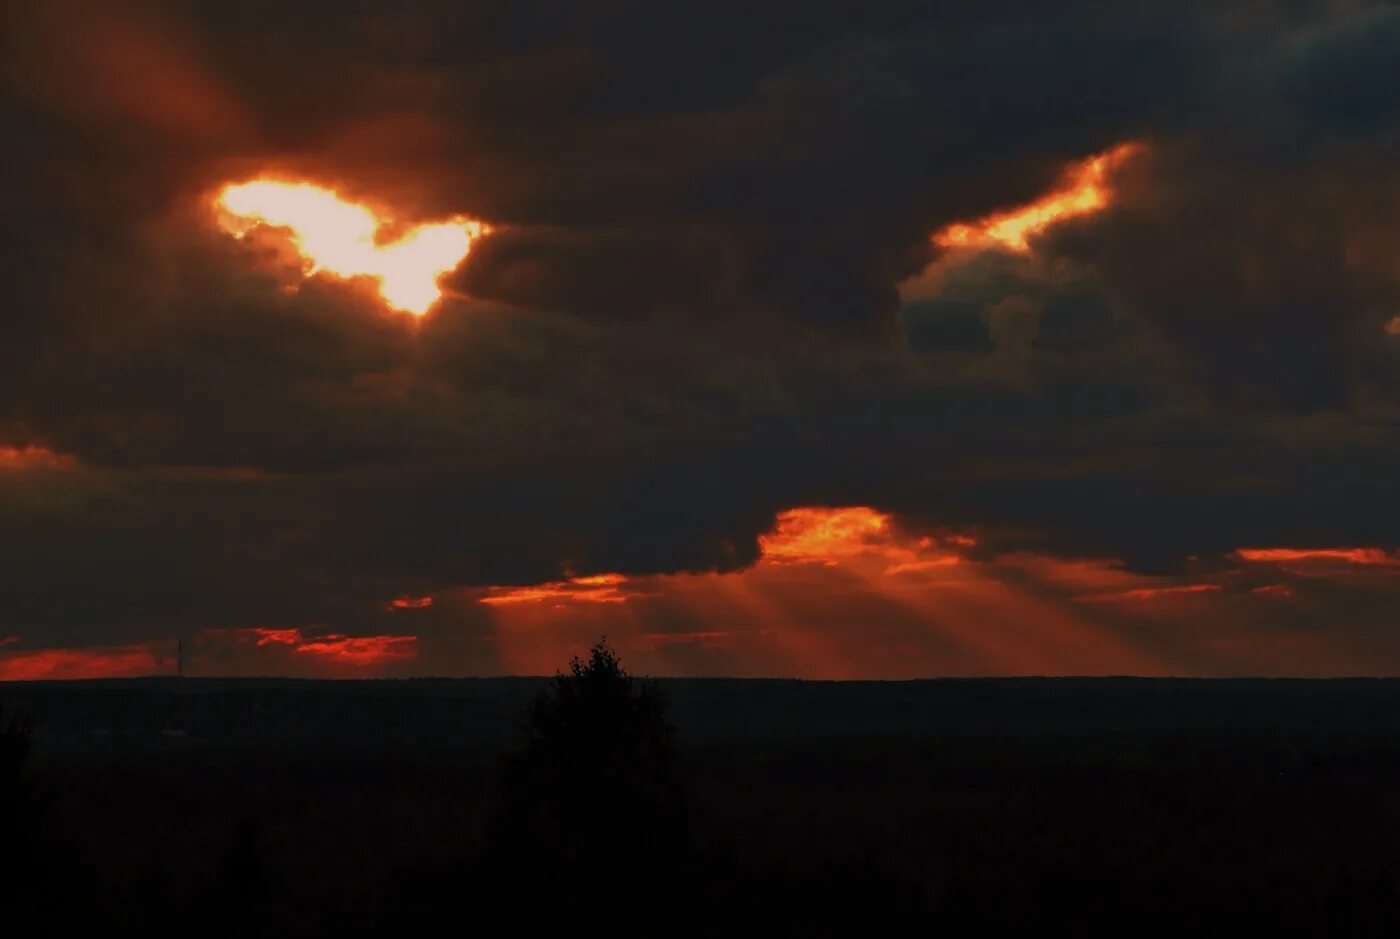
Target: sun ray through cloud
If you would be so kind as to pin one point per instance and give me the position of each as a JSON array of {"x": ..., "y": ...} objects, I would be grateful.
[{"x": 343, "y": 238}]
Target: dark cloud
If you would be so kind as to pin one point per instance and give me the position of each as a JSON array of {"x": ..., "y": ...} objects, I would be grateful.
[
  {"x": 946, "y": 325},
  {"x": 696, "y": 307}
]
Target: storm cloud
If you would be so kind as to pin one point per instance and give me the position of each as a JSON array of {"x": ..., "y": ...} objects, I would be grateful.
[{"x": 710, "y": 293}]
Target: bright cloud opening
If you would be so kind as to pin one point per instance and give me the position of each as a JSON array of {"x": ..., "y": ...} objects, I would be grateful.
[
  {"x": 339, "y": 237},
  {"x": 1084, "y": 190}
]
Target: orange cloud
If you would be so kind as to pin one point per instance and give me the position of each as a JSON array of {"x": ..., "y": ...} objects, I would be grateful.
[
  {"x": 1365, "y": 557},
  {"x": 1084, "y": 190},
  {"x": 130, "y": 661},
  {"x": 596, "y": 588},
  {"x": 828, "y": 535},
  {"x": 359, "y": 651},
  {"x": 343, "y": 238},
  {"x": 410, "y": 603},
  {"x": 34, "y": 457},
  {"x": 1147, "y": 593},
  {"x": 822, "y": 535}
]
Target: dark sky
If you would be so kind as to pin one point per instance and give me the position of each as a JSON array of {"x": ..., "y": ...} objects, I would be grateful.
[{"x": 1161, "y": 439}]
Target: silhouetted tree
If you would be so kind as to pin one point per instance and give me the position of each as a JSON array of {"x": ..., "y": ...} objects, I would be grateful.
[{"x": 589, "y": 801}]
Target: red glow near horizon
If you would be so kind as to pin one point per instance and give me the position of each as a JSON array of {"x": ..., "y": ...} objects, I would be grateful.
[
  {"x": 362, "y": 651},
  {"x": 819, "y": 535},
  {"x": 132, "y": 661},
  {"x": 848, "y": 592},
  {"x": 838, "y": 592}
]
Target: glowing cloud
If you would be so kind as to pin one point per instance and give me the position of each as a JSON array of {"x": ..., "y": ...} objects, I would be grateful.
[
  {"x": 597, "y": 588},
  {"x": 360, "y": 651},
  {"x": 410, "y": 603},
  {"x": 1084, "y": 190},
  {"x": 339, "y": 237},
  {"x": 31, "y": 457},
  {"x": 823, "y": 535},
  {"x": 68, "y": 664},
  {"x": 828, "y": 536},
  {"x": 1364, "y": 557}
]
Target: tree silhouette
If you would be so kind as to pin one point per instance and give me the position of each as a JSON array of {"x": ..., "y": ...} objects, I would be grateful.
[{"x": 590, "y": 801}]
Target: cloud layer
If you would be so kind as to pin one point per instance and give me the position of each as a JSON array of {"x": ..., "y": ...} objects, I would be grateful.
[{"x": 711, "y": 293}]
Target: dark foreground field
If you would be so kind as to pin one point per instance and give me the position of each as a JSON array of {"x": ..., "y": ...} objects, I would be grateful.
[{"x": 1059, "y": 806}]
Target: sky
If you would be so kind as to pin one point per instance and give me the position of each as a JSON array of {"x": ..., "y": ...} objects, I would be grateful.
[{"x": 793, "y": 338}]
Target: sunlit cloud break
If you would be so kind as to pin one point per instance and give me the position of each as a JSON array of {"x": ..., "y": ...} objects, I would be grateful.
[
  {"x": 1363, "y": 557},
  {"x": 594, "y": 588},
  {"x": 1085, "y": 190},
  {"x": 339, "y": 237}
]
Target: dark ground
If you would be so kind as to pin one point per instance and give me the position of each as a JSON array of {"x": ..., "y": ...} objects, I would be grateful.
[{"x": 1058, "y": 805}]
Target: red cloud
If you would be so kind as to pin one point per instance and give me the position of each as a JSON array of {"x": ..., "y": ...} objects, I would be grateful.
[
  {"x": 34, "y": 457},
  {"x": 1365, "y": 557},
  {"x": 106, "y": 662},
  {"x": 360, "y": 651},
  {"x": 597, "y": 588}
]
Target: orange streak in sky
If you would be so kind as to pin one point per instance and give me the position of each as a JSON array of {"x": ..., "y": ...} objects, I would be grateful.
[
  {"x": 595, "y": 588},
  {"x": 410, "y": 603},
  {"x": 339, "y": 237},
  {"x": 347, "y": 650},
  {"x": 926, "y": 564},
  {"x": 1146, "y": 593},
  {"x": 1085, "y": 189},
  {"x": 361, "y": 650},
  {"x": 1369, "y": 557}
]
